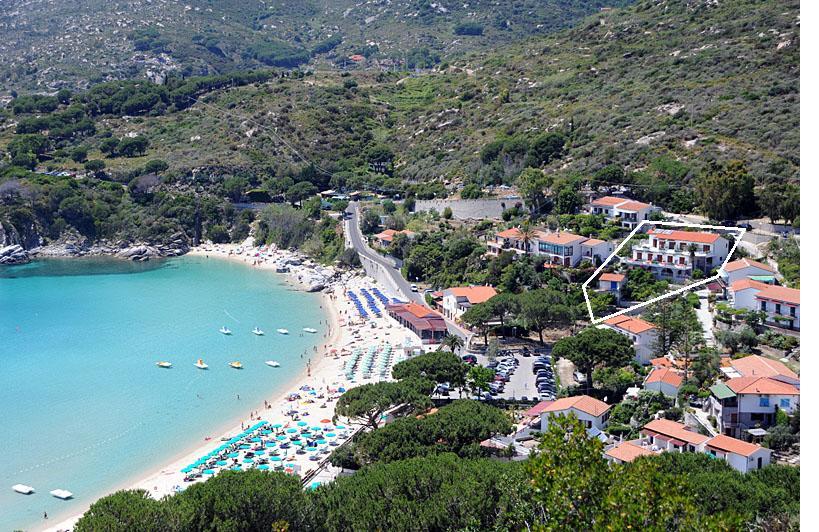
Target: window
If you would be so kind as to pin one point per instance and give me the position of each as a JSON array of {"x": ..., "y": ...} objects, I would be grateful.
[
  {"x": 793, "y": 312},
  {"x": 785, "y": 403},
  {"x": 639, "y": 255},
  {"x": 706, "y": 248},
  {"x": 764, "y": 400},
  {"x": 778, "y": 308},
  {"x": 764, "y": 306}
]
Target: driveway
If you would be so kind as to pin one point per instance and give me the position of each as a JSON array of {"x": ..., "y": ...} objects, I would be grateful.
[{"x": 706, "y": 318}]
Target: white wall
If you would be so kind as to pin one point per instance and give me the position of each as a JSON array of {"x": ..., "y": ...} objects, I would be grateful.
[
  {"x": 742, "y": 273},
  {"x": 749, "y": 403},
  {"x": 662, "y": 387},
  {"x": 745, "y": 299},
  {"x": 596, "y": 422}
]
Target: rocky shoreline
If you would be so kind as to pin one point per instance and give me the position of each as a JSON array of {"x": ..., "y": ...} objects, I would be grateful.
[{"x": 137, "y": 251}]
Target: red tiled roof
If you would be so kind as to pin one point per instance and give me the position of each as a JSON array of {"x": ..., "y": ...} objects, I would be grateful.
[
  {"x": 560, "y": 238},
  {"x": 779, "y": 293},
  {"x": 419, "y": 316},
  {"x": 735, "y": 265},
  {"x": 473, "y": 294},
  {"x": 628, "y": 452},
  {"x": 627, "y": 323},
  {"x": 389, "y": 234},
  {"x": 677, "y": 431},
  {"x": 633, "y": 206},
  {"x": 744, "y": 284},
  {"x": 616, "y": 277},
  {"x": 757, "y": 366},
  {"x": 537, "y": 409},
  {"x": 761, "y": 385},
  {"x": 510, "y": 233},
  {"x": 593, "y": 242},
  {"x": 608, "y": 201},
  {"x": 661, "y": 362},
  {"x": 686, "y": 236},
  {"x": 725, "y": 443},
  {"x": 665, "y": 375},
  {"x": 584, "y": 403}
]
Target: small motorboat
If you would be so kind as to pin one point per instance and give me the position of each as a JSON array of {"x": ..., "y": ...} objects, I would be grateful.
[
  {"x": 165, "y": 365},
  {"x": 310, "y": 330},
  {"x": 225, "y": 330},
  {"x": 61, "y": 494},
  {"x": 22, "y": 488},
  {"x": 201, "y": 364},
  {"x": 282, "y": 331},
  {"x": 272, "y": 363},
  {"x": 235, "y": 365},
  {"x": 258, "y": 332}
]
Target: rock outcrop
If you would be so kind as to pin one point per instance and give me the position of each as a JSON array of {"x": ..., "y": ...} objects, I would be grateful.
[{"x": 14, "y": 254}]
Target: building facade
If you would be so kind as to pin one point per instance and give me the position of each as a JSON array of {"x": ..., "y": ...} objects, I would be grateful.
[{"x": 674, "y": 255}]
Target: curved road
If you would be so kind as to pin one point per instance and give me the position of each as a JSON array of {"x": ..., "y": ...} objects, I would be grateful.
[{"x": 356, "y": 240}]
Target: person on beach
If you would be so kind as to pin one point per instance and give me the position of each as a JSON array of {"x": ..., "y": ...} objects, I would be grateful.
[{"x": 45, "y": 515}]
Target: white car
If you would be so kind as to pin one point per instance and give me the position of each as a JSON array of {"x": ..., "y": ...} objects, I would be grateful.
[{"x": 414, "y": 287}]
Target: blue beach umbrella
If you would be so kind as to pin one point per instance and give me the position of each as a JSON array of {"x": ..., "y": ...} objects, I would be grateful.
[
  {"x": 340, "y": 427},
  {"x": 209, "y": 472},
  {"x": 330, "y": 435},
  {"x": 277, "y": 425},
  {"x": 187, "y": 469},
  {"x": 233, "y": 455},
  {"x": 256, "y": 439},
  {"x": 269, "y": 444},
  {"x": 275, "y": 458},
  {"x": 258, "y": 453},
  {"x": 221, "y": 463},
  {"x": 302, "y": 423},
  {"x": 314, "y": 485},
  {"x": 281, "y": 437},
  {"x": 292, "y": 430},
  {"x": 248, "y": 460},
  {"x": 315, "y": 428},
  {"x": 321, "y": 442},
  {"x": 236, "y": 468},
  {"x": 263, "y": 467}
]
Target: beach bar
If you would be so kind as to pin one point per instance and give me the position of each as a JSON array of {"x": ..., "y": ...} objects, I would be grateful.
[{"x": 426, "y": 323}]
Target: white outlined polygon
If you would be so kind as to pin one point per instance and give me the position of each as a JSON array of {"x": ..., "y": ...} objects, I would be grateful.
[{"x": 585, "y": 285}]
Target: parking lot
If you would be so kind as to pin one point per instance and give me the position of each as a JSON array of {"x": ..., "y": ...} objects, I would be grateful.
[{"x": 521, "y": 383}]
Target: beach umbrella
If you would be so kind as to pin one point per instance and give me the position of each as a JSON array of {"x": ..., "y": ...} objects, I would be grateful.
[
  {"x": 233, "y": 455},
  {"x": 325, "y": 421},
  {"x": 187, "y": 469},
  {"x": 221, "y": 463},
  {"x": 263, "y": 467},
  {"x": 314, "y": 485},
  {"x": 292, "y": 430},
  {"x": 269, "y": 444},
  {"x": 209, "y": 472},
  {"x": 302, "y": 423},
  {"x": 275, "y": 458},
  {"x": 265, "y": 432},
  {"x": 248, "y": 460},
  {"x": 321, "y": 442},
  {"x": 256, "y": 439},
  {"x": 330, "y": 435},
  {"x": 258, "y": 453},
  {"x": 277, "y": 425},
  {"x": 281, "y": 437},
  {"x": 315, "y": 428},
  {"x": 342, "y": 389},
  {"x": 236, "y": 468}
]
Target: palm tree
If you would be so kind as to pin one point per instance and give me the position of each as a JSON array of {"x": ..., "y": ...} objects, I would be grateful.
[
  {"x": 453, "y": 342},
  {"x": 527, "y": 234}
]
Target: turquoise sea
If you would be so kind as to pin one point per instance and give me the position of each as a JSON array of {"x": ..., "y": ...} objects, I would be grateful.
[{"x": 85, "y": 408}]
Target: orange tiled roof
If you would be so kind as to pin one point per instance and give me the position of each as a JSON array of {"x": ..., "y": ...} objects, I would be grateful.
[
  {"x": 732, "y": 445},
  {"x": 584, "y": 403},
  {"x": 616, "y": 277},
  {"x": 779, "y": 293},
  {"x": 628, "y": 452},
  {"x": 761, "y": 385},
  {"x": 608, "y": 201},
  {"x": 735, "y": 265},
  {"x": 744, "y": 284},
  {"x": 661, "y": 362},
  {"x": 593, "y": 242},
  {"x": 686, "y": 236},
  {"x": 474, "y": 294},
  {"x": 633, "y": 206},
  {"x": 419, "y": 311},
  {"x": 560, "y": 238},
  {"x": 757, "y": 366},
  {"x": 665, "y": 375},
  {"x": 666, "y": 427},
  {"x": 510, "y": 233},
  {"x": 627, "y": 323}
]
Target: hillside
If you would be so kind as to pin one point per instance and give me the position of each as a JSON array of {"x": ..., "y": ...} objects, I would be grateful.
[
  {"x": 650, "y": 95},
  {"x": 51, "y": 44}
]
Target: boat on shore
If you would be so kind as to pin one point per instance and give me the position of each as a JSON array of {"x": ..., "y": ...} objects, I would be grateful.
[
  {"x": 225, "y": 331},
  {"x": 201, "y": 364},
  {"x": 23, "y": 489},
  {"x": 310, "y": 330},
  {"x": 235, "y": 365},
  {"x": 164, "y": 364},
  {"x": 282, "y": 331},
  {"x": 61, "y": 494},
  {"x": 272, "y": 363},
  {"x": 258, "y": 332}
]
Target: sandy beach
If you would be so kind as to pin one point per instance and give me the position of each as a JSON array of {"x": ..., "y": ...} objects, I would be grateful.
[{"x": 318, "y": 384}]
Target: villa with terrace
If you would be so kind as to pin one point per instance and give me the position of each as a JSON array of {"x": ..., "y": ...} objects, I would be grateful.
[
  {"x": 744, "y": 403},
  {"x": 558, "y": 248},
  {"x": 641, "y": 333},
  {"x": 627, "y": 212},
  {"x": 675, "y": 255}
]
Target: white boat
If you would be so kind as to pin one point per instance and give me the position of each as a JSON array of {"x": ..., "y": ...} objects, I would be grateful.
[
  {"x": 61, "y": 494},
  {"x": 272, "y": 363},
  {"x": 235, "y": 365},
  {"x": 22, "y": 488},
  {"x": 310, "y": 330},
  {"x": 258, "y": 332},
  {"x": 282, "y": 331},
  {"x": 225, "y": 330},
  {"x": 165, "y": 365},
  {"x": 201, "y": 364}
]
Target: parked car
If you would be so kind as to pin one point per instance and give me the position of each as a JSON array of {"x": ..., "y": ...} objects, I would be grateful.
[
  {"x": 414, "y": 287},
  {"x": 470, "y": 359}
]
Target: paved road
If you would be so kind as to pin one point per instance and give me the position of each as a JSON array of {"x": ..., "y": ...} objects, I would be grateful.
[
  {"x": 352, "y": 231},
  {"x": 706, "y": 318}
]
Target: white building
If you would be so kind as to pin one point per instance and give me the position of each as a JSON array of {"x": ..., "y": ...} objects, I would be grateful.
[
  {"x": 744, "y": 403},
  {"x": 747, "y": 269},
  {"x": 664, "y": 380},
  {"x": 457, "y": 300},
  {"x": 592, "y": 412},
  {"x": 667, "y": 435},
  {"x": 779, "y": 303},
  {"x": 759, "y": 366},
  {"x": 628, "y": 212},
  {"x": 558, "y": 248},
  {"x": 675, "y": 254},
  {"x": 740, "y": 455},
  {"x": 642, "y": 334}
]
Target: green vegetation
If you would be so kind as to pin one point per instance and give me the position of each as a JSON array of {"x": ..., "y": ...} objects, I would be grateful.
[{"x": 594, "y": 348}]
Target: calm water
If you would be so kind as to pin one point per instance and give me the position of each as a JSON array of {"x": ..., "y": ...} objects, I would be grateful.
[{"x": 84, "y": 408}]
